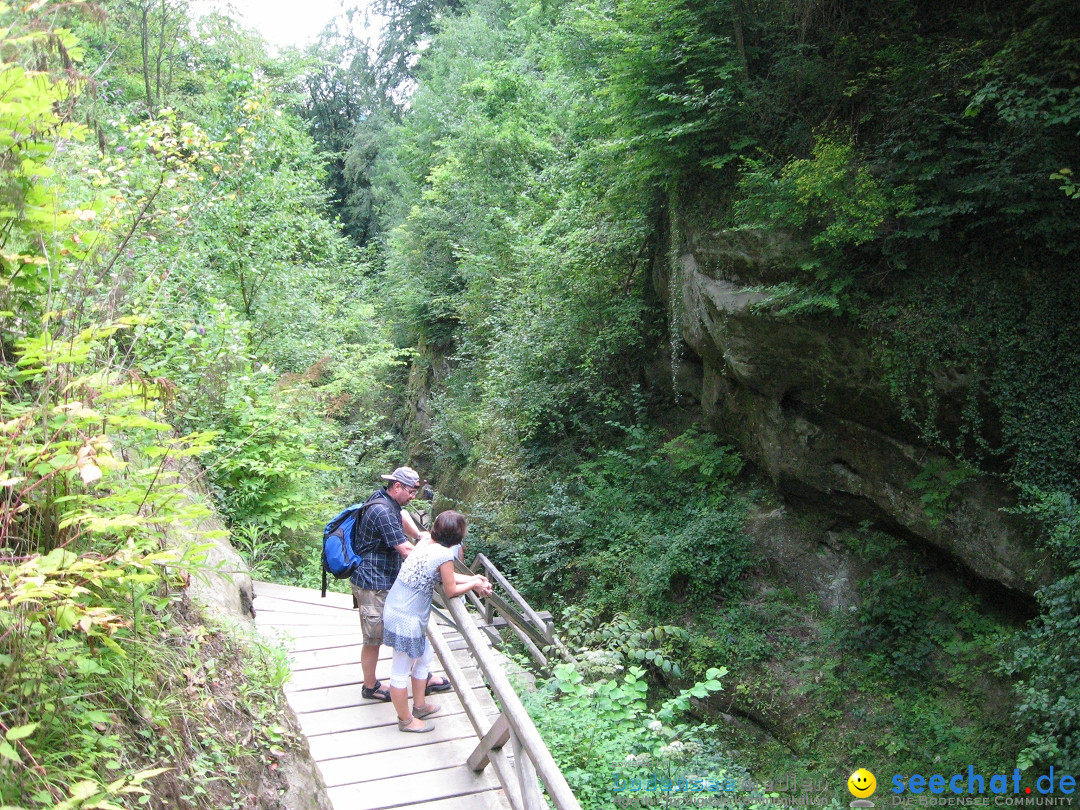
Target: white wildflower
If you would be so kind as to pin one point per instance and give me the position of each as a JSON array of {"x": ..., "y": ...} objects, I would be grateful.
[{"x": 673, "y": 750}]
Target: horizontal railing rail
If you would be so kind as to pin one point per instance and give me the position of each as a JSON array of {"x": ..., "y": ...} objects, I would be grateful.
[{"x": 535, "y": 631}]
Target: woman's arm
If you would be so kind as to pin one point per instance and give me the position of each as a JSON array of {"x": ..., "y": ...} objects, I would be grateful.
[
  {"x": 455, "y": 584},
  {"x": 463, "y": 578}
]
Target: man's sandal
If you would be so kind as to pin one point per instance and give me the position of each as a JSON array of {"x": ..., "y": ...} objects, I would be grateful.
[
  {"x": 434, "y": 688},
  {"x": 376, "y": 692}
]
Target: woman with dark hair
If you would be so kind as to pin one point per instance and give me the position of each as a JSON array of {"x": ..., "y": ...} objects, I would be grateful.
[{"x": 408, "y": 606}]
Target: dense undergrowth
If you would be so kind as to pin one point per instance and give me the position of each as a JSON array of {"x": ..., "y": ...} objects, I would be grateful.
[{"x": 908, "y": 674}]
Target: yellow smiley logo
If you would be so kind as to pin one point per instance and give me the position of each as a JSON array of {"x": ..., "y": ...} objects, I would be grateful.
[{"x": 862, "y": 784}]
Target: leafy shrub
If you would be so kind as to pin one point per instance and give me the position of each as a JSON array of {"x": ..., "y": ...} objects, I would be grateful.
[
  {"x": 605, "y": 531},
  {"x": 606, "y": 647},
  {"x": 832, "y": 199},
  {"x": 1047, "y": 661},
  {"x": 700, "y": 562},
  {"x": 898, "y": 621},
  {"x": 605, "y": 728},
  {"x": 111, "y": 331}
]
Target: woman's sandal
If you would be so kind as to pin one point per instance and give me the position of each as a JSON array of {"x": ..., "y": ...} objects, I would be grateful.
[
  {"x": 434, "y": 688},
  {"x": 421, "y": 712},
  {"x": 404, "y": 726}
]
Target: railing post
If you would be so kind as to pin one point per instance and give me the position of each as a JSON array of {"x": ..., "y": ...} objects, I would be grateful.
[
  {"x": 526, "y": 776},
  {"x": 535, "y": 631},
  {"x": 474, "y": 711},
  {"x": 520, "y": 723}
]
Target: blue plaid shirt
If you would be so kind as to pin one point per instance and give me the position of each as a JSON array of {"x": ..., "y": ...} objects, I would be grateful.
[{"x": 376, "y": 541}]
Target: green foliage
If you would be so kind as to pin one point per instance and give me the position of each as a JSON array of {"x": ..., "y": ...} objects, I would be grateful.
[
  {"x": 937, "y": 483},
  {"x": 343, "y": 96},
  {"x": 899, "y": 624},
  {"x": 599, "y": 729},
  {"x": 979, "y": 362},
  {"x": 909, "y": 164},
  {"x": 35, "y": 114},
  {"x": 605, "y": 647},
  {"x": 1068, "y": 182},
  {"x": 501, "y": 251},
  {"x": 834, "y": 201},
  {"x": 157, "y": 278},
  {"x": 1045, "y": 662},
  {"x": 671, "y": 76},
  {"x": 703, "y": 464},
  {"x": 831, "y": 682},
  {"x": 250, "y": 280},
  {"x": 871, "y": 545},
  {"x": 83, "y": 636},
  {"x": 610, "y": 530},
  {"x": 700, "y": 560}
]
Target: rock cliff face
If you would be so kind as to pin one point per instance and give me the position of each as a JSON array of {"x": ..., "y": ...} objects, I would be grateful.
[{"x": 804, "y": 400}]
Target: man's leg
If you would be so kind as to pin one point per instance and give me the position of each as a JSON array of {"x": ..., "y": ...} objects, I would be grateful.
[
  {"x": 370, "y": 604},
  {"x": 369, "y": 658}
]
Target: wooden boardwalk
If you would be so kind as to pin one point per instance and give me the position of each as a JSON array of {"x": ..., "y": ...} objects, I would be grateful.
[{"x": 366, "y": 762}]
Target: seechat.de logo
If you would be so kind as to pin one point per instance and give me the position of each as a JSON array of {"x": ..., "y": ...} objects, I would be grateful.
[{"x": 1002, "y": 787}]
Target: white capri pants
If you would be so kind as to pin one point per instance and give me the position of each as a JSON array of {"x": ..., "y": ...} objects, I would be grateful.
[{"x": 402, "y": 668}]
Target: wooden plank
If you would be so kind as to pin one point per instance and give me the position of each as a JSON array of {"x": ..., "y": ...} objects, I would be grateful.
[
  {"x": 272, "y": 603},
  {"x": 501, "y": 765},
  {"x": 324, "y": 677},
  {"x": 387, "y": 738},
  {"x": 313, "y": 643},
  {"x": 280, "y": 618},
  {"x": 495, "y": 738},
  {"x": 316, "y": 700},
  {"x": 368, "y": 764},
  {"x": 302, "y": 594},
  {"x": 488, "y": 800},
  {"x": 335, "y": 721},
  {"x": 342, "y": 697},
  {"x": 400, "y": 791},
  {"x": 300, "y": 638},
  {"x": 520, "y": 723},
  {"x": 343, "y": 675},
  {"x": 334, "y": 655},
  {"x": 324, "y": 657},
  {"x": 349, "y": 718},
  {"x": 291, "y": 636},
  {"x": 364, "y": 768},
  {"x": 349, "y": 674}
]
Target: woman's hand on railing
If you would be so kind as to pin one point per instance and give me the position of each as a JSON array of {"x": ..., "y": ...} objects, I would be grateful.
[{"x": 483, "y": 586}]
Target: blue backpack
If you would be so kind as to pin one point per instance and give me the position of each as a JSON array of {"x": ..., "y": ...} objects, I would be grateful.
[{"x": 338, "y": 557}]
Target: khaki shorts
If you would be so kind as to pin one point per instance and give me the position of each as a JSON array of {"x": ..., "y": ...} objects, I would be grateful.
[{"x": 371, "y": 608}]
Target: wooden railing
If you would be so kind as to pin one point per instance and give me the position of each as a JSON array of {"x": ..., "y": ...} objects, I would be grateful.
[
  {"x": 535, "y": 631},
  {"x": 530, "y": 755}
]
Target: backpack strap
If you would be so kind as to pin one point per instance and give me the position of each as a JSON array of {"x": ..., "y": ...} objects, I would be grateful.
[
  {"x": 379, "y": 497},
  {"x": 324, "y": 579}
]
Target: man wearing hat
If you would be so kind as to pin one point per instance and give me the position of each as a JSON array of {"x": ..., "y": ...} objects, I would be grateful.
[{"x": 381, "y": 542}]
